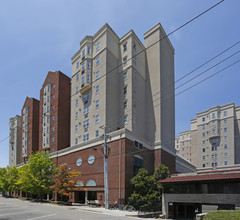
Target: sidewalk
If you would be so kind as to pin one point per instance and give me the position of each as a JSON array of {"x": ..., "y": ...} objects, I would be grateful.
[{"x": 114, "y": 212}]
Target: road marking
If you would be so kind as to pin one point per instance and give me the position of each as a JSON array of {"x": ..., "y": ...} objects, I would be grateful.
[
  {"x": 9, "y": 209},
  {"x": 14, "y": 213},
  {"x": 42, "y": 216}
]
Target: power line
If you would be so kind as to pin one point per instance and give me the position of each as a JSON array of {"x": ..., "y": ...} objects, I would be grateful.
[
  {"x": 180, "y": 27},
  {"x": 207, "y": 62}
]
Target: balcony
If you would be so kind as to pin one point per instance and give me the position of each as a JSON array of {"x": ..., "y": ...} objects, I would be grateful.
[{"x": 85, "y": 87}]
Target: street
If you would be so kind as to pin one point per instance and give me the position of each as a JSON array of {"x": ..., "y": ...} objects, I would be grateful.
[{"x": 16, "y": 209}]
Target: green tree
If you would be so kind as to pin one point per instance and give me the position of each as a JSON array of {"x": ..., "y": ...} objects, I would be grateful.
[
  {"x": 12, "y": 178},
  {"x": 8, "y": 179},
  {"x": 36, "y": 177},
  {"x": 146, "y": 187},
  {"x": 64, "y": 182},
  {"x": 3, "y": 180}
]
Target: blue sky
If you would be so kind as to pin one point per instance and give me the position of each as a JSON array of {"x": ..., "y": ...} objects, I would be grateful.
[{"x": 40, "y": 36}]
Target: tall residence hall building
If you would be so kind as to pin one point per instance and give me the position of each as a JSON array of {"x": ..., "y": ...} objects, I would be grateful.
[
  {"x": 29, "y": 128},
  {"x": 14, "y": 140},
  {"x": 116, "y": 85},
  {"x": 214, "y": 138},
  {"x": 54, "y": 112}
]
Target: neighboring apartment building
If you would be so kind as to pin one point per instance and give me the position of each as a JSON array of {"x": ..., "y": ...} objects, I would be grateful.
[
  {"x": 14, "y": 140},
  {"x": 120, "y": 84},
  {"x": 54, "y": 112},
  {"x": 183, "y": 145},
  {"x": 215, "y": 139},
  {"x": 29, "y": 128}
]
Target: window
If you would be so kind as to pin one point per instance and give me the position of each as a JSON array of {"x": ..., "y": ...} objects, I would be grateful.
[
  {"x": 125, "y": 104},
  {"x": 76, "y": 115},
  {"x": 86, "y": 97},
  {"x": 125, "y": 47},
  {"x": 97, "y": 103},
  {"x": 225, "y": 121},
  {"x": 79, "y": 162},
  {"x": 98, "y": 46},
  {"x": 225, "y": 113},
  {"x": 225, "y": 163},
  {"x": 125, "y": 119},
  {"x": 225, "y": 138},
  {"x": 76, "y": 141},
  {"x": 213, "y": 123},
  {"x": 225, "y": 146},
  {"x": 97, "y": 133},
  {"x": 203, "y": 127},
  {"x": 125, "y": 90},
  {"x": 183, "y": 149},
  {"x": 138, "y": 164},
  {"x": 203, "y": 119},
  {"x": 97, "y": 75},
  {"x": 97, "y": 119},
  {"x": 53, "y": 117},
  {"x": 53, "y": 86},
  {"x": 124, "y": 75},
  {"x": 76, "y": 128},
  {"x": 77, "y": 65},
  {"x": 88, "y": 50},
  {"x": 83, "y": 53},
  {"x": 53, "y": 139},
  {"x": 85, "y": 137},
  {"x": 48, "y": 99},
  {"x": 91, "y": 183},
  {"x": 125, "y": 61},
  {"x": 203, "y": 150},
  {"x": 53, "y": 96},
  {"x": 77, "y": 77},
  {"x": 76, "y": 102},
  {"x": 88, "y": 64},
  {"x": 53, "y": 107},
  {"x": 97, "y": 60},
  {"x": 225, "y": 130},
  {"x": 203, "y": 165},
  {"x": 77, "y": 89},
  {"x": 83, "y": 66},
  {"x": 83, "y": 80},
  {"x": 203, "y": 134},
  {"x": 213, "y": 115},
  {"x": 97, "y": 89},
  {"x": 86, "y": 110},
  {"x": 203, "y": 142},
  {"x": 86, "y": 124},
  {"x": 203, "y": 157},
  {"x": 225, "y": 154},
  {"x": 91, "y": 159},
  {"x": 47, "y": 129},
  {"x": 52, "y": 128},
  {"x": 88, "y": 78}
]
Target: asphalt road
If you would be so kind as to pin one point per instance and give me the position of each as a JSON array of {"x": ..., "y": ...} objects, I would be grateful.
[{"x": 15, "y": 209}]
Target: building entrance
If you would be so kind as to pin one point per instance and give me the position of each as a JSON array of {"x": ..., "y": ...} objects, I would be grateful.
[{"x": 184, "y": 211}]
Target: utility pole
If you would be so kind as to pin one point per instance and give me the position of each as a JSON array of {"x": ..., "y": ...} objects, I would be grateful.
[{"x": 106, "y": 154}]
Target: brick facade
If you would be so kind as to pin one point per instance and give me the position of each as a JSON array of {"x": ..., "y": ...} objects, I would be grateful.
[
  {"x": 59, "y": 112},
  {"x": 32, "y": 127},
  {"x": 119, "y": 175}
]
